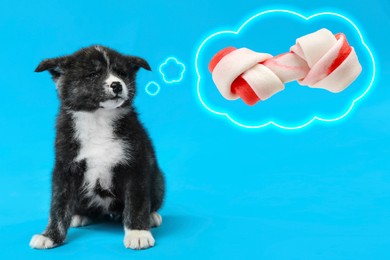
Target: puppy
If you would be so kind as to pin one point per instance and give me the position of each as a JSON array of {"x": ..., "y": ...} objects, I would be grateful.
[{"x": 105, "y": 163}]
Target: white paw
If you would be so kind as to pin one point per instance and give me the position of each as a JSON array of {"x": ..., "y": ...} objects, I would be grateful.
[
  {"x": 155, "y": 219},
  {"x": 41, "y": 242},
  {"x": 80, "y": 221},
  {"x": 138, "y": 239}
]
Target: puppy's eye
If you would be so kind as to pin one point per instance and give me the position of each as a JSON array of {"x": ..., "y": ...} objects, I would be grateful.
[
  {"x": 121, "y": 73},
  {"x": 92, "y": 74}
]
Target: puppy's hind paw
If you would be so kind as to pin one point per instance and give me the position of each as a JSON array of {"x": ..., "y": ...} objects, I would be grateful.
[
  {"x": 80, "y": 221},
  {"x": 41, "y": 242},
  {"x": 155, "y": 219},
  {"x": 138, "y": 239}
]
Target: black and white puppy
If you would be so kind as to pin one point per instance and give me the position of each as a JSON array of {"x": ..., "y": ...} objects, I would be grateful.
[{"x": 104, "y": 163}]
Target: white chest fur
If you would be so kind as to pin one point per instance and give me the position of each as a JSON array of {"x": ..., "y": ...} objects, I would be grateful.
[{"x": 99, "y": 147}]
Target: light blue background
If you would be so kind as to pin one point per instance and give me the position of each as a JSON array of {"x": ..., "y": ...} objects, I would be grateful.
[{"x": 319, "y": 193}]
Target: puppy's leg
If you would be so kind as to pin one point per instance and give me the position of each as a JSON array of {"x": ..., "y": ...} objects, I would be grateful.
[
  {"x": 60, "y": 213},
  {"x": 136, "y": 216},
  {"x": 80, "y": 221},
  {"x": 155, "y": 219},
  {"x": 157, "y": 197},
  {"x": 83, "y": 213}
]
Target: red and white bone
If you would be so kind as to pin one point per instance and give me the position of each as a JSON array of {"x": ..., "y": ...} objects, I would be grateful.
[{"x": 317, "y": 60}]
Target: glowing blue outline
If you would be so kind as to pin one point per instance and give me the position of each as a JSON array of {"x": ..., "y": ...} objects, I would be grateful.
[
  {"x": 272, "y": 122},
  {"x": 150, "y": 83},
  {"x": 178, "y": 63}
]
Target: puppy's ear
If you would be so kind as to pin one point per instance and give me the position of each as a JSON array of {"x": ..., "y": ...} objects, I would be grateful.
[
  {"x": 54, "y": 66},
  {"x": 136, "y": 63}
]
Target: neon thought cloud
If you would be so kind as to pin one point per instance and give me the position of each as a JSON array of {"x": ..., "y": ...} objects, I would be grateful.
[{"x": 349, "y": 100}]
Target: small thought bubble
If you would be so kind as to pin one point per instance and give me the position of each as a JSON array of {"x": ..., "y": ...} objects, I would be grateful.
[
  {"x": 172, "y": 70},
  {"x": 152, "y": 88}
]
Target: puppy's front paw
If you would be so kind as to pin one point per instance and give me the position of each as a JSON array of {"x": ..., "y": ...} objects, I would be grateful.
[
  {"x": 155, "y": 219},
  {"x": 80, "y": 221},
  {"x": 138, "y": 239},
  {"x": 41, "y": 242}
]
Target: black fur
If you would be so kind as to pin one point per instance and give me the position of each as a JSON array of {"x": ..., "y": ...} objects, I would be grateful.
[{"x": 137, "y": 184}]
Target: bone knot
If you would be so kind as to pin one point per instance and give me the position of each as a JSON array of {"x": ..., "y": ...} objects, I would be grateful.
[{"x": 317, "y": 60}]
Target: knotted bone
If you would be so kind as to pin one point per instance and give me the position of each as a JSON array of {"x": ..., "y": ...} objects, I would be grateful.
[{"x": 317, "y": 60}]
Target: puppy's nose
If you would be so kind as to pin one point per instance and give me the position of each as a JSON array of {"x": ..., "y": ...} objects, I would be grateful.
[{"x": 116, "y": 87}]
